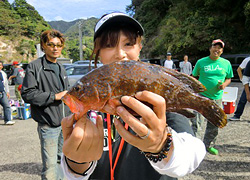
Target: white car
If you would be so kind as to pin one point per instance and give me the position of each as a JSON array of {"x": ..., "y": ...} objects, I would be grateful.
[{"x": 75, "y": 72}]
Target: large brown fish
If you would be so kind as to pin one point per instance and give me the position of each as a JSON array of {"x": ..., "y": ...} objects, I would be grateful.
[{"x": 107, "y": 84}]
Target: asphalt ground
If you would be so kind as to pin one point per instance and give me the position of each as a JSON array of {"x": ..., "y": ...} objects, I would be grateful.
[{"x": 20, "y": 151}]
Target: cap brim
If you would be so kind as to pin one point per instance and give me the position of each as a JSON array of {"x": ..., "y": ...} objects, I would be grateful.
[
  {"x": 220, "y": 43},
  {"x": 119, "y": 19}
]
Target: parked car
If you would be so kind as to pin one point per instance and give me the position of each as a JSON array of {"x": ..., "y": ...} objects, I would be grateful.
[
  {"x": 86, "y": 62},
  {"x": 145, "y": 60},
  {"x": 65, "y": 65},
  {"x": 8, "y": 69},
  {"x": 235, "y": 60},
  {"x": 75, "y": 72}
]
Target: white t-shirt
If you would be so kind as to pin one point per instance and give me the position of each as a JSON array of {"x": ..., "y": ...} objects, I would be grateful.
[
  {"x": 244, "y": 63},
  {"x": 168, "y": 64}
]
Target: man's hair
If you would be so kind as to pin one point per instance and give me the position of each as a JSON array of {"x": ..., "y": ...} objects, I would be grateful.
[
  {"x": 50, "y": 34},
  {"x": 1, "y": 62}
]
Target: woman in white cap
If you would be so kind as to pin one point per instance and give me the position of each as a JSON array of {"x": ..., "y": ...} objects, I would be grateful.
[{"x": 157, "y": 152}]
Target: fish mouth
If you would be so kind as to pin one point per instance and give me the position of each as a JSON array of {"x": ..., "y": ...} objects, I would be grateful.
[{"x": 75, "y": 105}]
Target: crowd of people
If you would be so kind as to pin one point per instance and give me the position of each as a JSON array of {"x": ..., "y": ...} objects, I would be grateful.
[{"x": 158, "y": 145}]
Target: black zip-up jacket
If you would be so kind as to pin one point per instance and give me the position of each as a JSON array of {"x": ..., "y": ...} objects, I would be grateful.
[{"x": 40, "y": 85}]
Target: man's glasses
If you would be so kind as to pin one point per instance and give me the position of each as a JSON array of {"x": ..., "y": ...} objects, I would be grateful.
[{"x": 52, "y": 45}]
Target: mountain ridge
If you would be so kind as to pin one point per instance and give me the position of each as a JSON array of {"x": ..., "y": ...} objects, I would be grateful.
[{"x": 62, "y": 25}]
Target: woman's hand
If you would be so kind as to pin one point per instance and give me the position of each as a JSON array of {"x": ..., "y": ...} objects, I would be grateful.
[
  {"x": 153, "y": 121},
  {"x": 59, "y": 95},
  {"x": 84, "y": 142}
]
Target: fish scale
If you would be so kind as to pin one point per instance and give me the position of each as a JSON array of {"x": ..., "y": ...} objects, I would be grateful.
[{"x": 107, "y": 84}]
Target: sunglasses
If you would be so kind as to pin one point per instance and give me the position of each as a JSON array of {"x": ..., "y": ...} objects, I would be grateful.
[{"x": 52, "y": 45}]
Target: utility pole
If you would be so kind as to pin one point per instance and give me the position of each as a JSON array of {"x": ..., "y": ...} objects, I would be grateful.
[{"x": 80, "y": 39}]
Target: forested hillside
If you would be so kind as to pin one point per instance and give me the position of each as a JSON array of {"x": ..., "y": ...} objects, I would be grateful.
[
  {"x": 87, "y": 28},
  {"x": 20, "y": 26},
  {"x": 180, "y": 26},
  {"x": 61, "y": 25},
  {"x": 189, "y": 26},
  {"x": 71, "y": 32}
]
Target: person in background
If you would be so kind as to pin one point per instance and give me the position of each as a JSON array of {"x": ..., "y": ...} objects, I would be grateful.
[
  {"x": 186, "y": 66},
  {"x": 44, "y": 84},
  {"x": 146, "y": 147},
  {"x": 243, "y": 99},
  {"x": 4, "y": 96},
  {"x": 246, "y": 81},
  {"x": 169, "y": 62},
  {"x": 215, "y": 73},
  {"x": 18, "y": 76}
]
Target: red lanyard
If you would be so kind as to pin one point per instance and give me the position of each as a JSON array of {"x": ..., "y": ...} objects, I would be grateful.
[{"x": 112, "y": 168}]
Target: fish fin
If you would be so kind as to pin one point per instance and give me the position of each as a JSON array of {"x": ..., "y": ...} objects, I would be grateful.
[
  {"x": 186, "y": 112},
  {"x": 190, "y": 81}
]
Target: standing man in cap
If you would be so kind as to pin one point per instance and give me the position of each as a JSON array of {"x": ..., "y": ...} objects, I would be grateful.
[
  {"x": 18, "y": 75},
  {"x": 215, "y": 73},
  {"x": 169, "y": 62}
]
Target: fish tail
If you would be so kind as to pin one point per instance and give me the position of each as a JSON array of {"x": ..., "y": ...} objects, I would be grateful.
[{"x": 210, "y": 110}]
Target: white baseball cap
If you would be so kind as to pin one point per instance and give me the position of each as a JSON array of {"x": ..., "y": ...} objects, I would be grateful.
[{"x": 117, "y": 17}]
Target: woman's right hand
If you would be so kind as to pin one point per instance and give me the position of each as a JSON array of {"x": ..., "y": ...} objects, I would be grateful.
[{"x": 84, "y": 141}]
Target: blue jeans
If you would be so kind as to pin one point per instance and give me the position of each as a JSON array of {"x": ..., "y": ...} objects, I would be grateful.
[
  {"x": 51, "y": 140},
  {"x": 241, "y": 104},
  {"x": 6, "y": 107}
]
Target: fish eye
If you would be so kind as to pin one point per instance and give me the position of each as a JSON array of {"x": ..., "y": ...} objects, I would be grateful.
[{"x": 77, "y": 88}]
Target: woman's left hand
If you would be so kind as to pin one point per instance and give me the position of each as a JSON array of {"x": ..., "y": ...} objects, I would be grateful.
[{"x": 151, "y": 128}]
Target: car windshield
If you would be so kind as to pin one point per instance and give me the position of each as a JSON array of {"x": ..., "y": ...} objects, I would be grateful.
[{"x": 78, "y": 70}]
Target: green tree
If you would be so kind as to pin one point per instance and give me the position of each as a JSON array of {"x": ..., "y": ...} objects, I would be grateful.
[
  {"x": 9, "y": 20},
  {"x": 189, "y": 26},
  {"x": 32, "y": 24}
]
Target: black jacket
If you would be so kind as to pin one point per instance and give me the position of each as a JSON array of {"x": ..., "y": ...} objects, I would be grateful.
[{"x": 39, "y": 87}]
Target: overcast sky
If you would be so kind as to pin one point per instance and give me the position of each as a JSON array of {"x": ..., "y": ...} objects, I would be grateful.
[{"x": 69, "y": 10}]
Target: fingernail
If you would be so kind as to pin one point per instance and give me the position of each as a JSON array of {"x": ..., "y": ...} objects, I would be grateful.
[
  {"x": 124, "y": 98},
  {"x": 139, "y": 93},
  {"x": 119, "y": 109},
  {"x": 70, "y": 116},
  {"x": 115, "y": 121}
]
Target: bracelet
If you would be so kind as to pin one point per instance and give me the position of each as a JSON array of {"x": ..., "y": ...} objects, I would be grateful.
[
  {"x": 155, "y": 157},
  {"x": 82, "y": 174},
  {"x": 75, "y": 161}
]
